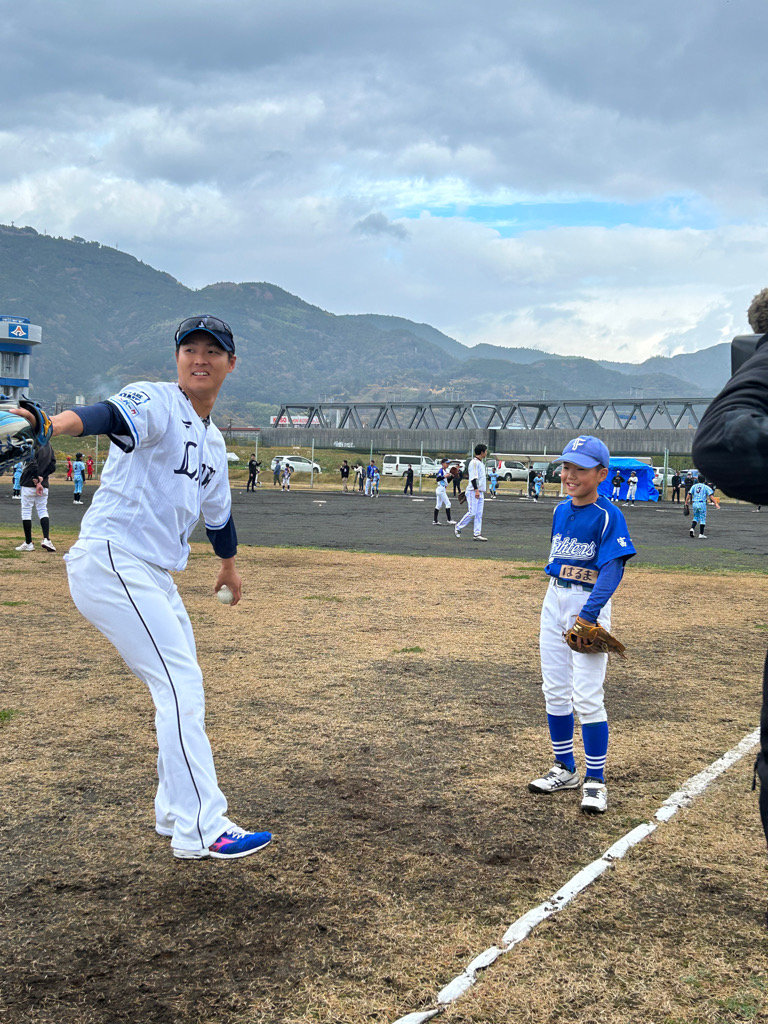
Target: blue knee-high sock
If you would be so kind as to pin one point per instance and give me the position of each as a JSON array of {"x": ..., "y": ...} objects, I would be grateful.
[
  {"x": 561, "y": 734},
  {"x": 595, "y": 737}
]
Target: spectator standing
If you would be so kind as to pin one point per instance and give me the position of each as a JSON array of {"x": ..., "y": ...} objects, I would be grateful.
[
  {"x": 276, "y": 471},
  {"x": 676, "y": 481},
  {"x": 252, "y": 470},
  {"x": 78, "y": 470},
  {"x": 408, "y": 481},
  {"x": 457, "y": 482},
  {"x": 34, "y": 494},
  {"x": 688, "y": 483},
  {"x": 344, "y": 470},
  {"x": 531, "y": 478}
]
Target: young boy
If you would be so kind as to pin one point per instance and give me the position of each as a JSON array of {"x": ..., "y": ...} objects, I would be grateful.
[
  {"x": 441, "y": 492},
  {"x": 697, "y": 496},
  {"x": 78, "y": 468},
  {"x": 590, "y": 544},
  {"x": 616, "y": 483}
]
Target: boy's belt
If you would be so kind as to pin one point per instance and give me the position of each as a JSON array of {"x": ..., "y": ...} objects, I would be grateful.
[{"x": 575, "y": 574}]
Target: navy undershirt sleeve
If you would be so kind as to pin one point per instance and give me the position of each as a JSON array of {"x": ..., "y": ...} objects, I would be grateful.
[
  {"x": 607, "y": 582},
  {"x": 224, "y": 541},
  {"x": 102, "y": 418}
]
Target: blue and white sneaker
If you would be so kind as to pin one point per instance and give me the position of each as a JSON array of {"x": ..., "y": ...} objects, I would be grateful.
[
  {"x": 557, "y": 778},
  {"x": 230, "y": 845}
]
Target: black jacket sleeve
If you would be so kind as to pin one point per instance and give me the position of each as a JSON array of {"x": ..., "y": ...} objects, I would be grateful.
[{"x": 731, "y": 445}]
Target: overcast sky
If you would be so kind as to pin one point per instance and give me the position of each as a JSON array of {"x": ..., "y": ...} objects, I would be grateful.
[{"x": 579, "y": 176}]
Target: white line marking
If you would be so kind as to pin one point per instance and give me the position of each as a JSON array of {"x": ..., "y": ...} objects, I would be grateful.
[{"x": 520, "y": 929}]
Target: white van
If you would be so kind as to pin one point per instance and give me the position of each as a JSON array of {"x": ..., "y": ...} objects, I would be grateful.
[{"x": 397, "y": 465}]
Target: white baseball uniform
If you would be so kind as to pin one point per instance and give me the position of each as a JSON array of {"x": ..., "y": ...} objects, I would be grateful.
[
  {"x": 441, "y": 490},
  {"x": 475, "y": 471},
  {"x": 166, "y": 467}
]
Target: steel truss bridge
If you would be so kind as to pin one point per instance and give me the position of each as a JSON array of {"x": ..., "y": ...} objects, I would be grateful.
[{"x": 598, "y": 414}]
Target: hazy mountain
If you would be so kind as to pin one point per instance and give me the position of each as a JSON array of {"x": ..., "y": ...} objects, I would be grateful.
[{"x": 108, "y": 318}]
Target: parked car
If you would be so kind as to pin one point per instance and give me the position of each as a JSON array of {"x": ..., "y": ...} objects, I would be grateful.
[
  {"x": 658, "y": 473},
  {"x": 508, "y": 469},
  {"x": 297, "y": 463},
  {"x": 397, "y": 465}
]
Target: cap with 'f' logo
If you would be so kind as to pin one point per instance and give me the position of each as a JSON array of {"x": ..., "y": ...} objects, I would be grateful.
[{"x": 586, "y": 451}]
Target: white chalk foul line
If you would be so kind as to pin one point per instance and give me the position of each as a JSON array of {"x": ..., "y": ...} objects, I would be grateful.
[{"x": 520, "y": 929}]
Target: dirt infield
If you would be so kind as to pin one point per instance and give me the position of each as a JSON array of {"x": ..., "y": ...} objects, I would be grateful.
[{"x": 378, "y": 714}]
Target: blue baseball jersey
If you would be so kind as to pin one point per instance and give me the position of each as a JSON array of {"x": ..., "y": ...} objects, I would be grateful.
[
  {"x": 700, "y": 493},
  {"x": 78, "y": 469},
  {"x": 441, "y": 477},
  {"x": 588, "y": 536}
]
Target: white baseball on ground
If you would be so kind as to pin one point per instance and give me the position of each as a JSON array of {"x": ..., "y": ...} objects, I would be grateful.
[{"x": 225, "y": 595}]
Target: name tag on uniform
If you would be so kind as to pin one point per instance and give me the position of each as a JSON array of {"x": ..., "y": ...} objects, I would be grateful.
[{"x": 578, "y": 574}]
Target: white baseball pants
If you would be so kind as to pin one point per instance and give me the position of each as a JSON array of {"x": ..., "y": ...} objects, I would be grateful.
[
  {"x": 631, "y": 492},
  {"x": 441, "y": 498},
  {"x": 572, "y": 681},
  {"x": 474, "y": 511},
  {"x": 138, "y": 609},
  {"x": 31, "y": 499}
]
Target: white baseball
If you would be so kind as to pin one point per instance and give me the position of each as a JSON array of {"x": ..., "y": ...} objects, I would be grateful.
[{"x": 225, "y": 595}]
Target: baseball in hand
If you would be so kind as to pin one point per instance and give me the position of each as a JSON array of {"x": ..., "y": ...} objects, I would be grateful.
[{"x": 225, "y": 595}]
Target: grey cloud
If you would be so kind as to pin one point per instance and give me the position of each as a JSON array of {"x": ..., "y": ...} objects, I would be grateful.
[{"x": 378, "y": 224}]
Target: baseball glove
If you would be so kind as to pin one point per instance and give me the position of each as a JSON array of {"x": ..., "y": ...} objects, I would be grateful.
[
  {"x": 686, "y": 510},
  {"x": 454, "y": 470},
  {"x": 19, "y": 440},
  {"x": 461, "y": 498},
  {"x": 591, "y": 638}
]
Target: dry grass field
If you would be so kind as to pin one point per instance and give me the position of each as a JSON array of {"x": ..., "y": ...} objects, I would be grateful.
[{"x": 382, "y": 715}]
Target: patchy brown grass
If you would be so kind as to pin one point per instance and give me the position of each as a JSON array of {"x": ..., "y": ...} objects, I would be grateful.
[{"x": 382, "y": 715}]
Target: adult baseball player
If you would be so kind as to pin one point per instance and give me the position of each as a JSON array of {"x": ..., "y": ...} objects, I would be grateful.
[
  {"x": 167, "y": 463},
  {"x": 34, "y": 495},
  {"x": 441, "y": 492},
  {"x": 475, "y": 494}
]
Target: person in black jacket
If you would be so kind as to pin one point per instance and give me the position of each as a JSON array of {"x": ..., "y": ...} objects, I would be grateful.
[
  {"x": 731, "y": 446},
  {"x": 34, "y": 494},
  {"x": 676, "y": 481}
]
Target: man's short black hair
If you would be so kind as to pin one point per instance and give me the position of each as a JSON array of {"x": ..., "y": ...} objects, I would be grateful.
[{"x": 480, "y": 448}]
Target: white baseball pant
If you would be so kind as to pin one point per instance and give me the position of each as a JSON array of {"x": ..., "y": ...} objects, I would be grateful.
[
  {"x": 572, "y": 680},
  {"x": 138, "y": 609},
  {"x": 474, "y": 511},
  {"x": 31, "y": 499},
  {"x": 441, "y": 498},
  {"x": 631, "y": 492}
]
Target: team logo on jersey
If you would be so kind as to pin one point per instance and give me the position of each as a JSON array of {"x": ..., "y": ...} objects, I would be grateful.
[
  {"x": 194, "y": 471},
  {"x": 622, "y": 541},
  {"x": 570, "y": 547},
  {"x": 136, "y": 397}
]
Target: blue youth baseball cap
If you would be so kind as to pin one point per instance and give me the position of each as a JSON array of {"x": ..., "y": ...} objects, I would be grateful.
[{"x": 586, "y": 451}]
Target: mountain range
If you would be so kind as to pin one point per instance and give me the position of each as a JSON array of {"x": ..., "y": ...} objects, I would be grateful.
[{"x": 109, "y": 318}]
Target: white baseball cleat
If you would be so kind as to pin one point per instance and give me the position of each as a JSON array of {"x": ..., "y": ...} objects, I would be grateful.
[
  {"x": 558, "y": 777},
  {"x": 478, "y": 537},
  {"x": 457, "y": 531},
  {"x": 594, "y": 798},
  {"x": 26, "y": 547},
  {"x": 47, "y": 543}
]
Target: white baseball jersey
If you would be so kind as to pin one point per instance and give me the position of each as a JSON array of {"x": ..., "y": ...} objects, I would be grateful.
[
  {"x": 167, "y": 467},
  {"x": 476, "y": 471}
]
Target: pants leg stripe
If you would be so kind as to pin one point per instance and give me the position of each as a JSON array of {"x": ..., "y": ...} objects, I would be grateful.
[{"x": 173, "y": 689}]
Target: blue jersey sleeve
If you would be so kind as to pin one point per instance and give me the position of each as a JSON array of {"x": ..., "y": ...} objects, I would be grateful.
[{"x": 615, "y": 541}]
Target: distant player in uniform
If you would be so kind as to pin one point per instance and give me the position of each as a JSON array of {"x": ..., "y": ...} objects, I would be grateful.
[
  {"x": 89, "y": 467},
  {"x": 166, "y": 464},
  {"x": 590, "y": 544},
  {"x": 616, "y": 483},
  {"x": 631, "y": 488},
  {"x": 475, "y": 494},
  {"x": 78, "y": 471},
  {"x": 538, "y": 484},
  {"x": 493, "y": 480},
  {"x": 375, "y": 480},
  {"x": 441, "y": 492},
  {"x": 69, "y": 468},
  {"x": 287, "y": 474},
  {"x": 34, "y": 495},
  {"x": 697, "y": 500},
  {"x": 18, "y": 469}
]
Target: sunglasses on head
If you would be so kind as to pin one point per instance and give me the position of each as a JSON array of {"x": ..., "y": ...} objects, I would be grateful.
[{"x": 205, "y": 323}]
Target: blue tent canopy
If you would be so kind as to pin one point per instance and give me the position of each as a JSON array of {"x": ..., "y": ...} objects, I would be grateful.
[{"x": 645, "y": 489}]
